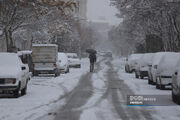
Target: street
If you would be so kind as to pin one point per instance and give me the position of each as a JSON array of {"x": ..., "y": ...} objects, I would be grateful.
[{"x": 101, "y": 95}]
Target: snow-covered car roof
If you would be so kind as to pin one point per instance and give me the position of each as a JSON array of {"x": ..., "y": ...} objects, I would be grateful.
[
  {"x": 10, "y": 65},
  {"x": 157, "y": 57},
  {"x": 133, "y": 58},
  {"x": 168, "y": 62},
  {"x": 37, "y": 45},
  {"x": 146, "y": 59},
  {"x": 25, "y": 52},
  {"x": 71, "y": 55}
]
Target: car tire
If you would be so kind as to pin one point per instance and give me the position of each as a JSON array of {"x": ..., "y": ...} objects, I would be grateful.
[
  {"x": 35, "y": 73},
  {"x": 142, "y": 77},
  {"x": 136, "y": 75},
  {"x": 16, "y": 92},
  {"x": 161, "y": 87},
  {"x": 149, "y": 82},
  {"x": 174, "y": 98},
  {"x": 57, "y": 73},
  {"x": 67, "y": 70},
  {"x": 157, "y": 86},
  {"x": 24, "y": 90}
]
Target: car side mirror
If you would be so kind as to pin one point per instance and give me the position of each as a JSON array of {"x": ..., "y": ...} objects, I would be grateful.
[
  {"x": 23, "y": 68},
  {"x": 176, "y": 73}
]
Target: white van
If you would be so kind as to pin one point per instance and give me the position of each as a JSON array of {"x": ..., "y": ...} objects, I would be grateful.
[{"x": 165, "y": 69}]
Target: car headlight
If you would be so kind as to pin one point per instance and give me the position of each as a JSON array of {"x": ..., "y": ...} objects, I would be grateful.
[{"x": 13, "y": 81}]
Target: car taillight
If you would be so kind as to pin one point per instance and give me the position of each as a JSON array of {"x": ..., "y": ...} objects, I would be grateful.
[
  {"x": 55, "y": 65},
  {"x": 14, "y": 81},
  {"x": 32, "y": 65}
]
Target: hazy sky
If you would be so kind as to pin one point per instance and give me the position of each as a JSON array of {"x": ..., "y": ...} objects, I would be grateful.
[{"x": 100, "y": 9}]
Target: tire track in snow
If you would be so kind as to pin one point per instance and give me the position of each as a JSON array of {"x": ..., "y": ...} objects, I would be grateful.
[{"x": 120, "y": 90}]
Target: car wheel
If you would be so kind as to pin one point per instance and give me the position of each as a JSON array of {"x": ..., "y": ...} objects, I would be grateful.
[
  {"x": 161, "y": 87},
  {"x": 35, "y": 73},
  {"x": 16, "y": 92},
  {"x": 174, "y": 98},
  {"x": 136, "y": 76},
  {"x": 157, "y": 86},
  {"x": 24, "y": 90},
  {"x": 149, "y": 82},
  {"x": 57, "y": 73},
  {"x": 68, "y": 70},
  {"x": 142, "y": 77}
]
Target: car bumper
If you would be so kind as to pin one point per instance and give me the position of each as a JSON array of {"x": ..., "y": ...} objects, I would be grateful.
[
  {"x": 144, "y": 73},
  {"x": 8, "y": 87},
  {"x": 75, "y": 65},
  {"x": 166, "y": 80},
  {"x": 44, "y": 71}
]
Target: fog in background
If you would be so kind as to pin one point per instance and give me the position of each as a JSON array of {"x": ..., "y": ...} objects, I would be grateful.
[{"x": 102, "y": 17}]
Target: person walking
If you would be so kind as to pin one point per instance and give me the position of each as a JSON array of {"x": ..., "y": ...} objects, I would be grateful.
[{"x": 92, "y": 59}]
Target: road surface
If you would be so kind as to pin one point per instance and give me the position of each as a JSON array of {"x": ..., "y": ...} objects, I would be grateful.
[{"x": 112, "y": 96}]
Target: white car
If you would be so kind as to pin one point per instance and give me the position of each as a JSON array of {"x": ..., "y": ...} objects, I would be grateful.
[
  {"x": 166, "y": 69},
  {"x": 64, "y": 64},
  {"x": 14, "y": 75},
  {"x": 131, "y": 62},
  {"x": 142, "y": 65},
  {"x": 73, "y": 59}
]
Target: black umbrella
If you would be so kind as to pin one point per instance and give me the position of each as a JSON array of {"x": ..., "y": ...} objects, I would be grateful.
[{"x": 92, "y": 51}]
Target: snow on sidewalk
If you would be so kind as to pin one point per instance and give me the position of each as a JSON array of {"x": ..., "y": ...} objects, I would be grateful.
[
  {"x": 42, "y": 96},
  {"x": 141, "y": 87}
]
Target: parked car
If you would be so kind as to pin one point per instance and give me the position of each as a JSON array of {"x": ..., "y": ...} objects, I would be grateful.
[
  {"x": 14, "y": 75},
  {"x": 176, "y": 84},
  {"x": 74, "y": 61},
  {"x": 44, "y": 59},
  {"x": 153, "y": 68},
  {"x": 142, "y": 65},
  {"x": 63, "y": 61},
  {"x": 131, "y": 62},
  {"x": 165, "y": 69},
  {"x": 26, "y": 58}
]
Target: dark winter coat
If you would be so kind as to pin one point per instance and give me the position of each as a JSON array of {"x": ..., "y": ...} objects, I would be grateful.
[{"x": 92, "y": 58}]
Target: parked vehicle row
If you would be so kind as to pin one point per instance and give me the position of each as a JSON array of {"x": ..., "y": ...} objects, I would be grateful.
[
  {"x": 161, "y": 68},
  {"x": 15, "y": 68}
]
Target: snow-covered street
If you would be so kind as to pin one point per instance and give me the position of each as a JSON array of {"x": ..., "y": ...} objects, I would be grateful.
[{"x": 81, "y": 95}]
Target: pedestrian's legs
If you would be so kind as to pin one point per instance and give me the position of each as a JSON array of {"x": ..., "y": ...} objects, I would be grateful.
[{"x": 91, "y": 67}]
